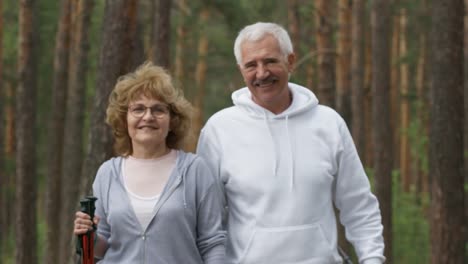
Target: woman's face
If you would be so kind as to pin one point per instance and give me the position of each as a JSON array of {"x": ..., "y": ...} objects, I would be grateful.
[{"x": 148, "y": 121}]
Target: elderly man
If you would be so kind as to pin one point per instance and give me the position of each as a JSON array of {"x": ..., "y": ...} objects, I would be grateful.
[{"x": 283, "y": 160}]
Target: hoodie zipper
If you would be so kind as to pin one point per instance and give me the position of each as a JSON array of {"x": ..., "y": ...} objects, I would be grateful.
[{"x": 160, "y": 203}]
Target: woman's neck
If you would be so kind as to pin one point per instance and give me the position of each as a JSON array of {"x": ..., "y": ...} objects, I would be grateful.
[{"x": 150, "y": 152}]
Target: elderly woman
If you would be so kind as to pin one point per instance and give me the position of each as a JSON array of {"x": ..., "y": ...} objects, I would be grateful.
[{"x": 156, "y": 203}]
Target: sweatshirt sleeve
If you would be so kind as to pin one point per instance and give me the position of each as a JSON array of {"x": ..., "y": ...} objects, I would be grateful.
[
  {"x": 359, "y": 208},
  {"x": 210, "y": 236},
  {"x": 99, "y": 191},
  {"x": 211, "y": 153}
]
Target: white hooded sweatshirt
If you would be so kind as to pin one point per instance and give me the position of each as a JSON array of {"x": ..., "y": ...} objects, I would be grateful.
[{"x": 281, "y": 174}]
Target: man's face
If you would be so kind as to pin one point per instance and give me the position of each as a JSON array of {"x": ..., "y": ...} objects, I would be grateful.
[{"x": 266, "y": 72}]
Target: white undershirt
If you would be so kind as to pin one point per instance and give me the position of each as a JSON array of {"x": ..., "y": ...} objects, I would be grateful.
[{"x": 144, "y": 180}]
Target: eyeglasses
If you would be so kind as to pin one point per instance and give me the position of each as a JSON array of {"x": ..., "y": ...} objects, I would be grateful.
[{"x": 157, "y": 110}]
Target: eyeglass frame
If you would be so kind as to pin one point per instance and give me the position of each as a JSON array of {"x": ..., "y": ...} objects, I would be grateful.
[{"x": 155, "y": 110}]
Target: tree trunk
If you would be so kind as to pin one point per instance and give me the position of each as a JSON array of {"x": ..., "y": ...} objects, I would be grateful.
[
  {"x": 161, "y": 33},
  {"x": 448, "y": 226},
  {"x": 26, "y": 178},
  {"x": 55, "y": 134},
  {"x": 357, "y": 75},
  {"x": 369, "y": 146},
  {"x": 293, "y": 25},
  {"x": 9, "y": 158},
  {"x": 466, "y": 106},
  {"x": 382, "y": 136},
  {"x": 113, "y": 59},
  {"x": 422, "y": 109},
  {"x": 74, "y": 122},
  {"x": 179, "y": 60},
  {"x": 394, "y": 87},
  {"x": 404, "y": 106},
  {"x": 200, "y": 77},
  {"x": 326, "y": 53},
  {"x": 343, "y": 61},
  {"x": 3, "y": 174}
]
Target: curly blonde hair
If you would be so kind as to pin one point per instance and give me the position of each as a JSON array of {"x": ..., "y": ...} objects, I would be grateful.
[{"x": 153, "y": 82}]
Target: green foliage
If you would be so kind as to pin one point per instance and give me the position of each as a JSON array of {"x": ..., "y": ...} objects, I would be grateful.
[{"x": 410, "y": 225}]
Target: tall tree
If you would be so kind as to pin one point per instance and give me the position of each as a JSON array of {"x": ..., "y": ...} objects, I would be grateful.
[
  {"x": 55, "y": 134},
  {"x": 161, "y": 33},
  {"x": 422, "y": 180},
  {"x": 74, "y": 122},
  {"x": 395, "y": 84},
  {"x": 404, "y": 103},
  {"x": 326, "y": 52},
  {"x": 3, "y": 175},
  {"x": 448, "y": 226},
  {"x": 9, "y": 151},
  {"x": 200, "y": 76},
  {"x": 293, "y": 25},
  {"x": 382, "y": 139},
  {"x": 180, "y": 46},
  {"x": 113, "y": 62},
  {"x": 466, "y": 105},
  {"x": 343, "y": 61},
  {"x": 26, "y": 178},
  {"x": 357, "y": 74}
]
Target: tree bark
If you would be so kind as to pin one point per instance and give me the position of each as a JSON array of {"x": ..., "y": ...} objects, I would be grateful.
[
  {"x": 465, "y": 121},
  {"x": 161, "y": 33},
  {"x": 404, "y": 105},
  {"x": 448, "y": 226},
  {"x": 293, "y": 25},
  {"x": 394, "y": 87},
  {"x": 326, "y": 53},
  {"x": 113, "y": 60},
  {"x": 343, "y": 61},
  {"x": 357, "y": 75},
  {"x": 179, "y": 60},
  {"x": 382, "y": 138},
  {"x": 422, "y": 92},
  {"x": 9, "y": 158},
  {"x": 74, "y": 122},
  {"x": 3, "y": 174},
  {"x": 369, "y": 147},
  {"x": 56, "y": 134},
  {"x": 200, "y": 77},
  {"x": 26, "y": 178}
]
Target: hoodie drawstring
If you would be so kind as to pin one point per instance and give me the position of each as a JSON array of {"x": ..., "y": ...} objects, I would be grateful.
[
  {"x": 275, "y": 151},
  {"x": 290, "y": 154}
]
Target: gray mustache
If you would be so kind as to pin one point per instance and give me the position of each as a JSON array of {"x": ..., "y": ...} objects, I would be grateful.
[{"x": 263, "y": 81}]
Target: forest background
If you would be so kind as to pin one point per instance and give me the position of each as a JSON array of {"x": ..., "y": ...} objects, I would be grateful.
[{"x": 393, "y": 69}]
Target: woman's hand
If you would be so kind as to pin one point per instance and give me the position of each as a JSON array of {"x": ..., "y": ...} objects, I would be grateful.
[{"x": 83, "y": 223}]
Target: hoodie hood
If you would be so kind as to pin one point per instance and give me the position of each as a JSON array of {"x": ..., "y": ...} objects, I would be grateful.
[
  {"x": 303, "y": 99},
  {"x": 283, "y": 147}
]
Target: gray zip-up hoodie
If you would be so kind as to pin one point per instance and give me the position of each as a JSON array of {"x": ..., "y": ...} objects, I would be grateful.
[{"x": 186, "y": 223}]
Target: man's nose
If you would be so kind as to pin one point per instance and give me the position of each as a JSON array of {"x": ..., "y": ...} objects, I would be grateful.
[{"x": 262, "y": 72}]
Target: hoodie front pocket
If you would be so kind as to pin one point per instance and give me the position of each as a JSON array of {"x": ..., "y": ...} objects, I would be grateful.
[{"x": 304, "y": 244}]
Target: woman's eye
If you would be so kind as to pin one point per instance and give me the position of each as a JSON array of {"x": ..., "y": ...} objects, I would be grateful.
[
  {"x": 158, "y": 109},
  {"x": 138, "y": 109}
]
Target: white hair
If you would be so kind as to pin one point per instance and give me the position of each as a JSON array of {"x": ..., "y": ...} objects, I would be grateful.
[{"x": 257, "y": 31}]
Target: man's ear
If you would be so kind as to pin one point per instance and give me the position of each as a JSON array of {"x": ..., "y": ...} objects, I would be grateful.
[{"x": 291, "y": 62}]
